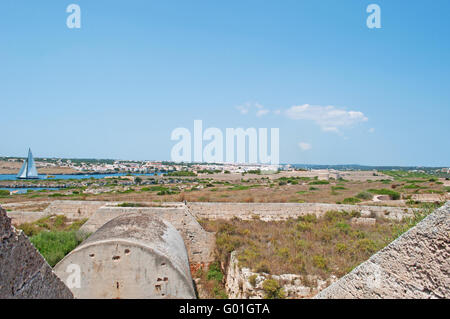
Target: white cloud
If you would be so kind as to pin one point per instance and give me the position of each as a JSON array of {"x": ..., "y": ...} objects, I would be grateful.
[
  {"x": 304, "y": 146},
  {"x": 329, "y": 118},
  {"x": 262, "y": 112},
  {"x": 277, "y": 112},
  {"x": 247, "y": 107},
  {"x": 371, "y": 130},
  {"x": 244, "y": 108}
]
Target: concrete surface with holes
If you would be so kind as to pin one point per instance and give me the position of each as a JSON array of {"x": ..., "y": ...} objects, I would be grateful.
[{"x": 135, "y": 255}]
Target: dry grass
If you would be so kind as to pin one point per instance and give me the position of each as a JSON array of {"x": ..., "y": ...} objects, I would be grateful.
[
  {"x": 258, "y": 189},
  {"x": 307, "y": 246}
]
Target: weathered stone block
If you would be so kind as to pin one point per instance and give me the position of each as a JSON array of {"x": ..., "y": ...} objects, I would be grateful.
[
  {"x": 24, "y": 272},
  {"x": 415, "y": 265}
]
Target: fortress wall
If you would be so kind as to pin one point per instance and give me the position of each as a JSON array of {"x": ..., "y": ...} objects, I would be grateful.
[
  {"x": 18, "y": 218},
  {"x": 282, "y": 211},
  {"x": 199, "y": 243},
  {"x": 135, "y": 255},
  {"x": 73, "y": 209},
  {"x": 23, "y": 271},
  {"x": 416, "y": 265},
  {"x": 69, "y": 208}
]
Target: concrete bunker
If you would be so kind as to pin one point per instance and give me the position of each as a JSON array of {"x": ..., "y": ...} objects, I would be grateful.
[{"x": 135, "y": 255}]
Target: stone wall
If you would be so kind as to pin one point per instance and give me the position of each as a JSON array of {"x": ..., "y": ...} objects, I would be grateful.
[
  {"x": 73, "y": 209},
  {"x": 69, "y": 208},
  {"x": 18, "y": 218},
  {"x": 23, "y": 271},
  {"x": 416, "y": 265},
  {"x": 282, "y": 211}
]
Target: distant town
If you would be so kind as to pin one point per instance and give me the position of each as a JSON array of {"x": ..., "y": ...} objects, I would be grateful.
[{"x": 9, "y": 165}]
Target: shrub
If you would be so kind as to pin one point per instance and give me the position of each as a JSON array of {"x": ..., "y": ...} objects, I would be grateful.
[
  {"x": 320, "y": 262},
  {"x": 351, "y": 200},
  {"x": 413, "y": 186},
  {"x": 392, "y": 194},
  {"x": 273, "y": 290},
  {"x": 219, "y": 292},
  {"x": 214, "y": 272},
  {"x": 309, "y": 218},
  {"x": 321, "y": 182},
  {"x": 366, "y": 245},
  {"x": 252, "y": 280},
  {"x": 167, "y": 192},
  {"x": 364, "y": 195},
  {"x": 248, "y": 256},
  {"x": 343, "y": 227},
  {"x": 4, "y": 192},
  {"x": 303, "y": 226},
  {"x": 341, "y": 248},
  {"x": 262, "y": 267},
  {"x": 283, "y": 253},
  {"x": 55, "y": 245},
  {"x": 333, "y": 215},
  {"x": 29, "y": 229}
]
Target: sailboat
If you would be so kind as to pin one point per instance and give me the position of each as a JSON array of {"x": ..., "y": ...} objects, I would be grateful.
[{"x": 28, "y": 170}]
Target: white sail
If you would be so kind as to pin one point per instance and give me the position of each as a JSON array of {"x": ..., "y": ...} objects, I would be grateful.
[
  {"x": 23, "y": 170},
  {"x": 28, "y": 170},
  {"x": 32, "y": 171}
]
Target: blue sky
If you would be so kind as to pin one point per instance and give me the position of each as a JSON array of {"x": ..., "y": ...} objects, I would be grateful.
[{"x": 116, "y": 88}]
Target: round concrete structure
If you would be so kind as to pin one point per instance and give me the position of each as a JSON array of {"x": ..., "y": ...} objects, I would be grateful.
[{"x": 135, "y": 255}]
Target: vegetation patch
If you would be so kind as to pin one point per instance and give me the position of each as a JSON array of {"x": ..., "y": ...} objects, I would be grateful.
[
  {"x": 131, "y": 205},
  {"x": 273, "y": 289},
  {"x": 325, "y": 246},
  {"x": 53, "y": 223},
  {"x": 53, "y": 236},
  {"x": 55, "y": 245},
  {"x": 212, "y": 281},
  {"x": 319, "y": 183},
  {"x": 4, "y": 193},
  {"x": 181, "y": 173},
  {"x": 364, "y": 196},
  {"x": 392, "y": 194},
  {"x": 351, "y": 200}
]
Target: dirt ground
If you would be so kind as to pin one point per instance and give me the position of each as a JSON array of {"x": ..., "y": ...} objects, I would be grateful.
[
  {"x": 253, "y": 188},
  {"x": 14, "y": 167}
]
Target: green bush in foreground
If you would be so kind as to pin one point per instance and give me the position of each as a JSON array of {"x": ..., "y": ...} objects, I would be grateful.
[{"x": 55, "y": 245}]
